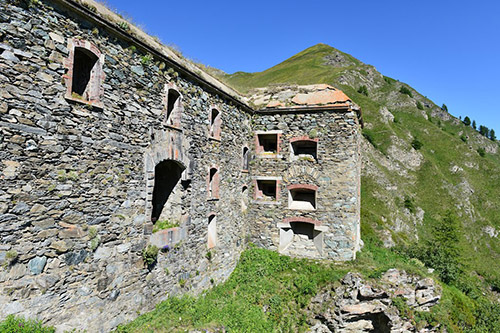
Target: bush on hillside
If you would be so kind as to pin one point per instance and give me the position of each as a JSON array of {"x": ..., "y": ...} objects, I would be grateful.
[
  {"x": 406, "y": 91},
  {"x": 442, "y": 251},
  {"x": 420, "y": 106},
  {"x": 416, "y": 144},
  {"x": 481, "y": 152},
  {"x": 363, "y": 90},
  {"x": 466, "y": 121}
]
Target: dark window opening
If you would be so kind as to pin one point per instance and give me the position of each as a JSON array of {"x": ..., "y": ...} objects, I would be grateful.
[
  {"x": 167, "y": 176},
  {"x": 172, "y": 99},
  {"x": 244, "y": 189},
  {"x": 213, "y": 183},
  {"x": 84, "y": 62},
  {"x": 268, "y": 143},
  {"x": 246, "y": 158},
  {"x": 304, "y": 229},
  {"x": 301, "y": 198},
  {"x": 305, "y": 149},
  {"x": 266, "y": 190},
  {"x": 215, "y": 124}
]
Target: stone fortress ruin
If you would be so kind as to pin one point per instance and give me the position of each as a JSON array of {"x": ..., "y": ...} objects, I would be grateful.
[{"x": 110, "y": 142}]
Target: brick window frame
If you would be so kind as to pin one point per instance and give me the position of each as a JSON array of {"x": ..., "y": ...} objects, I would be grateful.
[
  {"x": 94, "y": 90},
  {"x": 303, "y": 139},
  {"x": 215, "y": 123},
  {"x": 172, "y": 110},
  {"x": 292, "y": 204},
  {"x": 259, "y": 146},
  {"x": 258, "y": 193},
  {"x": 213, "y": 183}
]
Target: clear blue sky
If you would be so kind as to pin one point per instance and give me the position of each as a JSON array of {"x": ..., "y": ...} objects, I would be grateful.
[{"x": 447, "y": 50}]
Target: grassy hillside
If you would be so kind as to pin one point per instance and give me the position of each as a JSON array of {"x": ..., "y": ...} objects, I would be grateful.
[{"x": 406, "y": 192}]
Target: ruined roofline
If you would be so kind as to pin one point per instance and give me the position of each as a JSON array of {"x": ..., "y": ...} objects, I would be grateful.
[
  {"x": 103, "y": 16},
  {"x": 341, "y": 107}
]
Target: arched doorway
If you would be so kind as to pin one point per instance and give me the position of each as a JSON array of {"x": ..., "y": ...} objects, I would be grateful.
[{"x": 167, "y": 188}]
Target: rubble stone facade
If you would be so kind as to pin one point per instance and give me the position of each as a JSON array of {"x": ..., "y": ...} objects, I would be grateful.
[{"x": 105, "y": 137}]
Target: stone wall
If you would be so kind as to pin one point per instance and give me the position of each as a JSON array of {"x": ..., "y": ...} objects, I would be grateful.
[
  {"x": 88, "y": 172},
  {"x": 334, "y": 173},
  {"x": 78, "y": 180}
]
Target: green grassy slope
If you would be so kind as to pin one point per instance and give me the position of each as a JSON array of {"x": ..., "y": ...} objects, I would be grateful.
[{"x": 400, "y": 201}]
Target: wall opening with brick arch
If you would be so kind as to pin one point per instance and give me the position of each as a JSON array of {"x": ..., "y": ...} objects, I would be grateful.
[
  {"x": 215, "y": 124},
  {"x": 302, "y": 237},
  {"x": 304, "y": 148},
  {"x": 213, "y": 183},
  {"x": 85, "y": 74},
  {"x": 167, "y": 188},
  {"x": 302, "y": 196},
  {"x": 212, "y": 231},
  {"x": 173, "y": 106}
]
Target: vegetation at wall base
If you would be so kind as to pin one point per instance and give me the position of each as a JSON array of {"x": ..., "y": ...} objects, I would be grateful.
[
  {"x": 268, "y": 292},
  {"x": 12, "y": 324}
]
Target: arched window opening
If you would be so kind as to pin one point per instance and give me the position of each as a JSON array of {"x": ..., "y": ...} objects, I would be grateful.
[
  {"x": 213, "y": 183},
  {"x": 304, "y": 150},
  {"x": 212, "y": 231},
  {"x": 85, "y": 79},
  {"x": 244, "y": 198},
  {"x": 301, "y": 237},
  {"x": 167, "y": 176},
  {"x": 215, "y": 124},
  {"x": 174, "y": 108},
  {"x": 302, "y": 197},
  {"x": 246, "y": 158}
]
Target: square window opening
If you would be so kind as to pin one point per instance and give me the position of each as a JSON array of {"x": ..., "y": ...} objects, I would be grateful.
[
  {"x": 307, "y": 150},
  {"x": 268, "y": 143},
  {"x": 266, "y": 190},
  {"x": 303, "y": 199}
]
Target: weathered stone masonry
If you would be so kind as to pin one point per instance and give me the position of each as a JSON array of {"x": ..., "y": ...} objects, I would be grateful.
[{"x": 104, "y": 134}]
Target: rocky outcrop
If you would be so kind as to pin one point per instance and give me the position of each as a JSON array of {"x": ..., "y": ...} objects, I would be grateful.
[{"x": 355, "y": 305}]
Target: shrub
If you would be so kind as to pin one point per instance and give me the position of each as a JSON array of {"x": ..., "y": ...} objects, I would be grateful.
[
  {"x": 10, "y": 257},
  {"x": 444, "y": 107},
  {"x": 124, "y": 26},
  {"x": 416, "y": 144},
  {"x": 481, "y": 152},
  {"x": 12, "y": 324},
  {"x": 389, "y": 80},
  {"x": 420, "y": 106},
  {"x": 146, "y": 59},
  {"x": 466, "y": 121},
  {"x": 363, "y": 90},
  {"x": 463, "y": 138},
  {"x": 150, "y": 254},
  {"x": 406, "y": 91},
  {"x": 408, "y": 203}
]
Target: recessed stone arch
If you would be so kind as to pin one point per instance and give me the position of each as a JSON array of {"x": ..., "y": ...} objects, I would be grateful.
[
  {"x": 84, "y": 73},
  {"x": 169, "y": 146},
  {"x": 302, "y": 237},
  {"x": 172, "y": 105}
]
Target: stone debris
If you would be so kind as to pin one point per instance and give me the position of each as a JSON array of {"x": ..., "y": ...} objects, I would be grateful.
[{"x": 357, "y": 306}]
